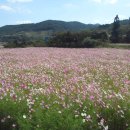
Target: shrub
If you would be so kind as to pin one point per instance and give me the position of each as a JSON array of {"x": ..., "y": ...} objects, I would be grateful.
[
  {"x": 91, "y": 43},
  {"x": 103, "y": 36},
  {"x": 38, "y": 43}
]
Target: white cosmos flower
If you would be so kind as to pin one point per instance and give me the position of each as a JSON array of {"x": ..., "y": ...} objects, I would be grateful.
[
  {"x": 24, "y": 116},
  {"x": 106, "y": 127},
  {"x": 83, "y": 120},
  {"x": 83, "y": 114}
]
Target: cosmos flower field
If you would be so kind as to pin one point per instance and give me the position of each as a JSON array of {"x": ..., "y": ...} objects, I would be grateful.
[{"x": 64, "y": 89}]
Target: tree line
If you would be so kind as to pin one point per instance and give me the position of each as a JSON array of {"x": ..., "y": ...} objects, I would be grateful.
[
  {"x": 81, "y": 39},
  {"x": 93, "y": 38},
  {"x": 89, "y": 38},
  {"x": 117, "y": 36}
]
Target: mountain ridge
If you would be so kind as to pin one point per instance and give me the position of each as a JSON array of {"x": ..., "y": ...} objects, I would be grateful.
[{"x": 53, "y": 25}]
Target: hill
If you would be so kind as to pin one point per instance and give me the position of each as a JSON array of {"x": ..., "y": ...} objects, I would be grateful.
[
  {"x": 58, "y": 26},
  {"x": 48, "y": 25},
  {"x": 32, "y": 34}
]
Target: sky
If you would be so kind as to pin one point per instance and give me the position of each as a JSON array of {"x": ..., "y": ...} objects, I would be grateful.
[{"x": 86, "y": 11}]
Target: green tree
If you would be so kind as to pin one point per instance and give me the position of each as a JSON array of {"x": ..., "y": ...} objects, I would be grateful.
[
  {"x": 102, "y": 36},
  {"x": 128, "y": 36},
  {"x": 115, "y": 35}
]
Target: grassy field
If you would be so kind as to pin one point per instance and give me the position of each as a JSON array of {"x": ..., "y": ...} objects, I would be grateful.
[
  {"x": 64, "y": 89},
  {"x": 119, "y": 46}
]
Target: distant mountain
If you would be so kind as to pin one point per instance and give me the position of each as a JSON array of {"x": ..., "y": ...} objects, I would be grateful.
[
  {"x": 49, "y": 25},
  {"x": 42, "y": 30}
]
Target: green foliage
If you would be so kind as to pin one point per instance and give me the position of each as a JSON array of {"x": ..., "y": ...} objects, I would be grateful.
[
  {"x": 38, "y": 43},
  {"x": 23, "y": 41},
  {"x": 67, "y": 39},
  {"x": 81, "y": 39},
  {"x": 119, "y": 46},
  {"x": 128, "y": 36},
  {"x": 11, "y": 112},
  {"x": 115, "y": 35},
  {"x": 16, "y": 41},
  {"x": 91, "y": 43},
  {"x": 15, "y": 116},
  {"x": 103, "y": 36},
  {"x": 64, "y": 34},
  {"x": 53, "y": 25}
]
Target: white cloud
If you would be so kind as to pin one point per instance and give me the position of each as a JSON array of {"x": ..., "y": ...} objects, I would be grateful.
[
  {"x": 15, "y": 9},
  {"x": 23, "y": 21},
  {"x": 19, "y": 1},
  {"x": 6, "y": 8},
  {"x": 106, "y": 1}
]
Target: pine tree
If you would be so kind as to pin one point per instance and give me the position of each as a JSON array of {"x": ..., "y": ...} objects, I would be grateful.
[{"x": 115, "y": 35}]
